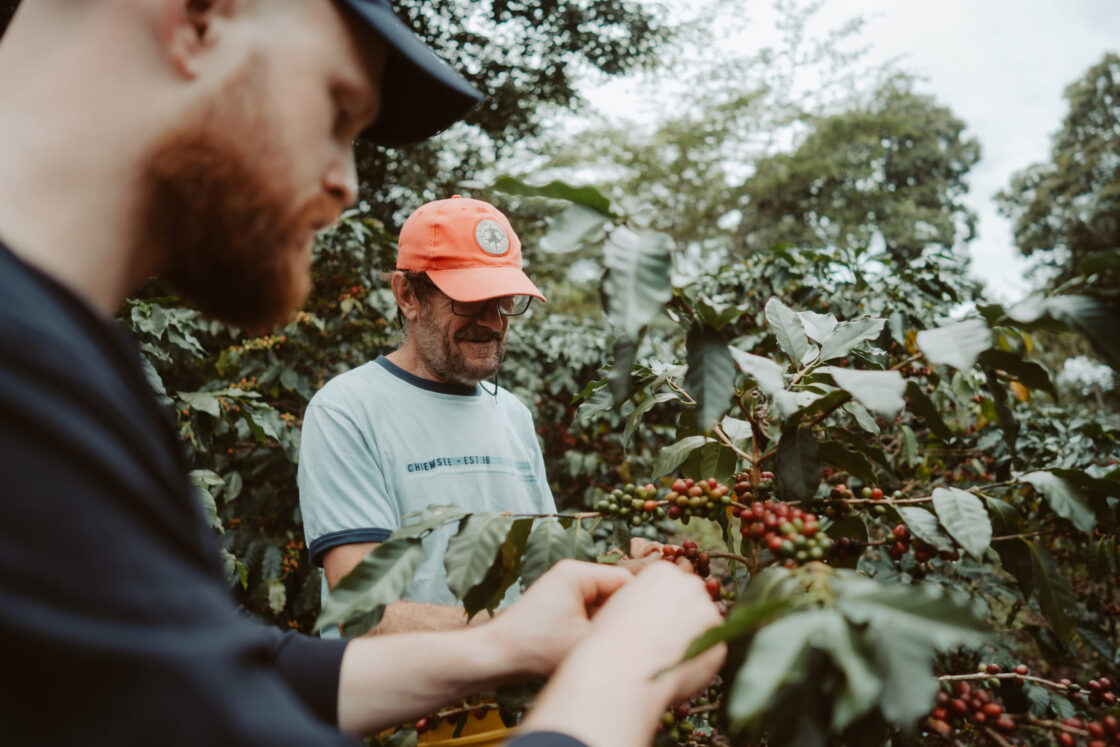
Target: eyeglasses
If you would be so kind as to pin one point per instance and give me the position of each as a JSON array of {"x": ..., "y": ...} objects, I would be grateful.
[{"x": 507, "y": 306}]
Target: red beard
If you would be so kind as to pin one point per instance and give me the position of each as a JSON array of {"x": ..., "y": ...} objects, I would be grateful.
[{"x": 231, "y": 236}]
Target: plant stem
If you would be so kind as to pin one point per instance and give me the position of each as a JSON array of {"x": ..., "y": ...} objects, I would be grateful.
[
  {"x": 996, "y": 737},
  {"x": 727, "y": 441},
  {"x": 1049, "y": 724},
  {"x": 1002, "y": 676},
  {"x": 730, "y": 556}
]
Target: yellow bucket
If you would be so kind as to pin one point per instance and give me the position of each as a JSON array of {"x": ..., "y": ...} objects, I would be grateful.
[{"x": 488, "y": 731}]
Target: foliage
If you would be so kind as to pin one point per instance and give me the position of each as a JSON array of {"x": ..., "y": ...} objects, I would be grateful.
[
  {"x": 888, "y": 177},
  {"x": 525, "y": 58},
  {"x": 975, "y": 516},
  {"x": 953, "y": 511},
  {"x": 1066, "y": 211}
]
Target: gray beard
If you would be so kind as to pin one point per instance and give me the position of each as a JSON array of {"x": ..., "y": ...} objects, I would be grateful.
[{"x": 446, "y": 362}]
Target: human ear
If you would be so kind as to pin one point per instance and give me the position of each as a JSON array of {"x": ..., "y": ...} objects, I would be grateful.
[
  {"x": 188, "y": 28},
  {"x": 407, "y": 301}
]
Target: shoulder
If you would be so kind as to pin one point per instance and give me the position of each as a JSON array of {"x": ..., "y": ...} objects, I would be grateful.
[
  {"x": 512, "y": 402},
  {"x": 361, "y": 383}
]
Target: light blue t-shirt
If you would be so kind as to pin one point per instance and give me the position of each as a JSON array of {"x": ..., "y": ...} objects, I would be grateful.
[{"x": 379, "y": 443}]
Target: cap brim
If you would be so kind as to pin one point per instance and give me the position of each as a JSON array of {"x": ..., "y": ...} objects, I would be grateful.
[
  {"x": 480, "y": 283},
  {"x": 421, "y": 94}
]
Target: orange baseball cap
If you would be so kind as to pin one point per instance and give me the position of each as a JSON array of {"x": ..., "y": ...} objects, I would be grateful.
[{"x": 467, "y": 248}]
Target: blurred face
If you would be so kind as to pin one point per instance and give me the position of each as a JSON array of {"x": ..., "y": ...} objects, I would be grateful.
[
  {"x": 461, "y": 350},
  {"x": 235, "y": 196}
]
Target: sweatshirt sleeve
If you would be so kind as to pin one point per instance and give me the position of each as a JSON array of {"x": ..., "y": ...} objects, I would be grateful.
[{"x": 311, "y": 668}]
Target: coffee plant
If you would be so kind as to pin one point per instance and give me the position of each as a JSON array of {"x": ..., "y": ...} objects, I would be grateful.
[
  {"x": 913, "y": 539},
  {"x": 909, "y": 545}
]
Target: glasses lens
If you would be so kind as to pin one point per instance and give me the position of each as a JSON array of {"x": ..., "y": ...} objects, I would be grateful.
[
  {"x": 468, "y": 308},
  {"x": 514, "y": 305},
  {"x": 507, "y": 306}
]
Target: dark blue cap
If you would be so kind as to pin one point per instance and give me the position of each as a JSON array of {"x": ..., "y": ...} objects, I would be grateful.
[{"x": 420, "y": 93}]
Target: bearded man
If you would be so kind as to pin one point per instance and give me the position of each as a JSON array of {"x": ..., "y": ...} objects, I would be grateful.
[
  {"x": 206, "y": 141},
  {"x": 418, "y": 426}
]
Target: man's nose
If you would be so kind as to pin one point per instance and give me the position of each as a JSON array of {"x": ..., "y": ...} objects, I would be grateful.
[
  {"x": 340, "y": 180},
  {"x": 491, "y": 317}
]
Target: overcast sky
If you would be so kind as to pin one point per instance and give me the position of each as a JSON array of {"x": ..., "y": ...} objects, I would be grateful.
[{"x": 1000, "y": 65}]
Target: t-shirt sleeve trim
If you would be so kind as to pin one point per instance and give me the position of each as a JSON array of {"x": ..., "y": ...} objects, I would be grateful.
[{"x": 329, "y": 541}]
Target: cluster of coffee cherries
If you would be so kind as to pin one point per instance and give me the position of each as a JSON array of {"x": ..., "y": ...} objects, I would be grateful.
[
  {"x": 638, "y": 504},
  {"x": 785, "y": 530},
  {"x": 923, "y": 553},
  {"x": 704, "y": 498},
  {"x": 700, "y": 560},
  {"x": 680, "y": 723},
  {"x": 1100, "y": 691},
  {"x": 747, "y": 489},
  {"x": 836, "y": 508},
  {"x": 970, "y": 704},
  {"x": 1102, "y": 733}
]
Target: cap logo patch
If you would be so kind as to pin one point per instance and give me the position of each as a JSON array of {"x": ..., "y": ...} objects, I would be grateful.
[{"x": 491, "y": 237}]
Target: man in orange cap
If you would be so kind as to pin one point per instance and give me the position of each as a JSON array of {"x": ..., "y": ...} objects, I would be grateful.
[{"x": 416, "y": 427}]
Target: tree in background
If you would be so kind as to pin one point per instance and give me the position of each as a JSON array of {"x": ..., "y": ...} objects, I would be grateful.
[
  {"x": 526, "y": 58},
  {"x": 886, "y": 176},
  {"x": 1067, "y": 210}
]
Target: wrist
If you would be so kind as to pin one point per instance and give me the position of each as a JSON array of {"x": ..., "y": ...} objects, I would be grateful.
[
  {"x": 602, "y": 699},
  {"x": 508, "y": 656}
]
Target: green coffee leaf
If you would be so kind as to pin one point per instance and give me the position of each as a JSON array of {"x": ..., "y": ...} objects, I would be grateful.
[
  {"x": 548, "y": 545},
  {"x": 359, "y": 599},
  {"x": 557, "y": 190},
  {"x": 862, "y": 685},
  {"x": 472, "y": 551},
  {"x": 581, "y": 546},
  {"x": 878, "y": 391},
  {"x": 201, "y": 401},
  {"x": 849, "y": 334},
  {"x": 1028, "y": 373},
  {"x": 921, "y": 405},
  {"x": 637, "y": 283},
  {"x": 862, "y": 417},
  {"x": 957, "y": 345},
  {"x": 789, "y": 330},
  {"x": 924, "y": 526},
  {"x": 775, "y": 655},
  {"x": 819, "y": 327},
  {"x": 1013, "y": 555},
  {"x": 431, "y": 518},
  {"x": 634, "y": 419},
  {"x": 1064, "y": 497},
  {"x": 572, "y": 228},
  {"x": 1053, "y": 592},
  {"x": 964, "y": 518},
  {"x": 798, "y": 463},
  {"x": 903, "y": 659},
  {"x": 768, "y": 374},
  {"x": 925, "y": 610},
  {"x": 673, "y": 456},
  {"x": 853, "y": 462},
  {"x": 711, "y": 376},
  {"x": 910, "y": 446},
  {"x": 741, "y": 620}
]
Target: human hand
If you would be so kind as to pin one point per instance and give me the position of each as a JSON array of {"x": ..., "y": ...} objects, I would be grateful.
[
  {"x": 643, "y": 552},
  {"x": 649, "y": 625},
  {"x": 617, "y": 681},
  {"x": 553, "y": 614}
]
